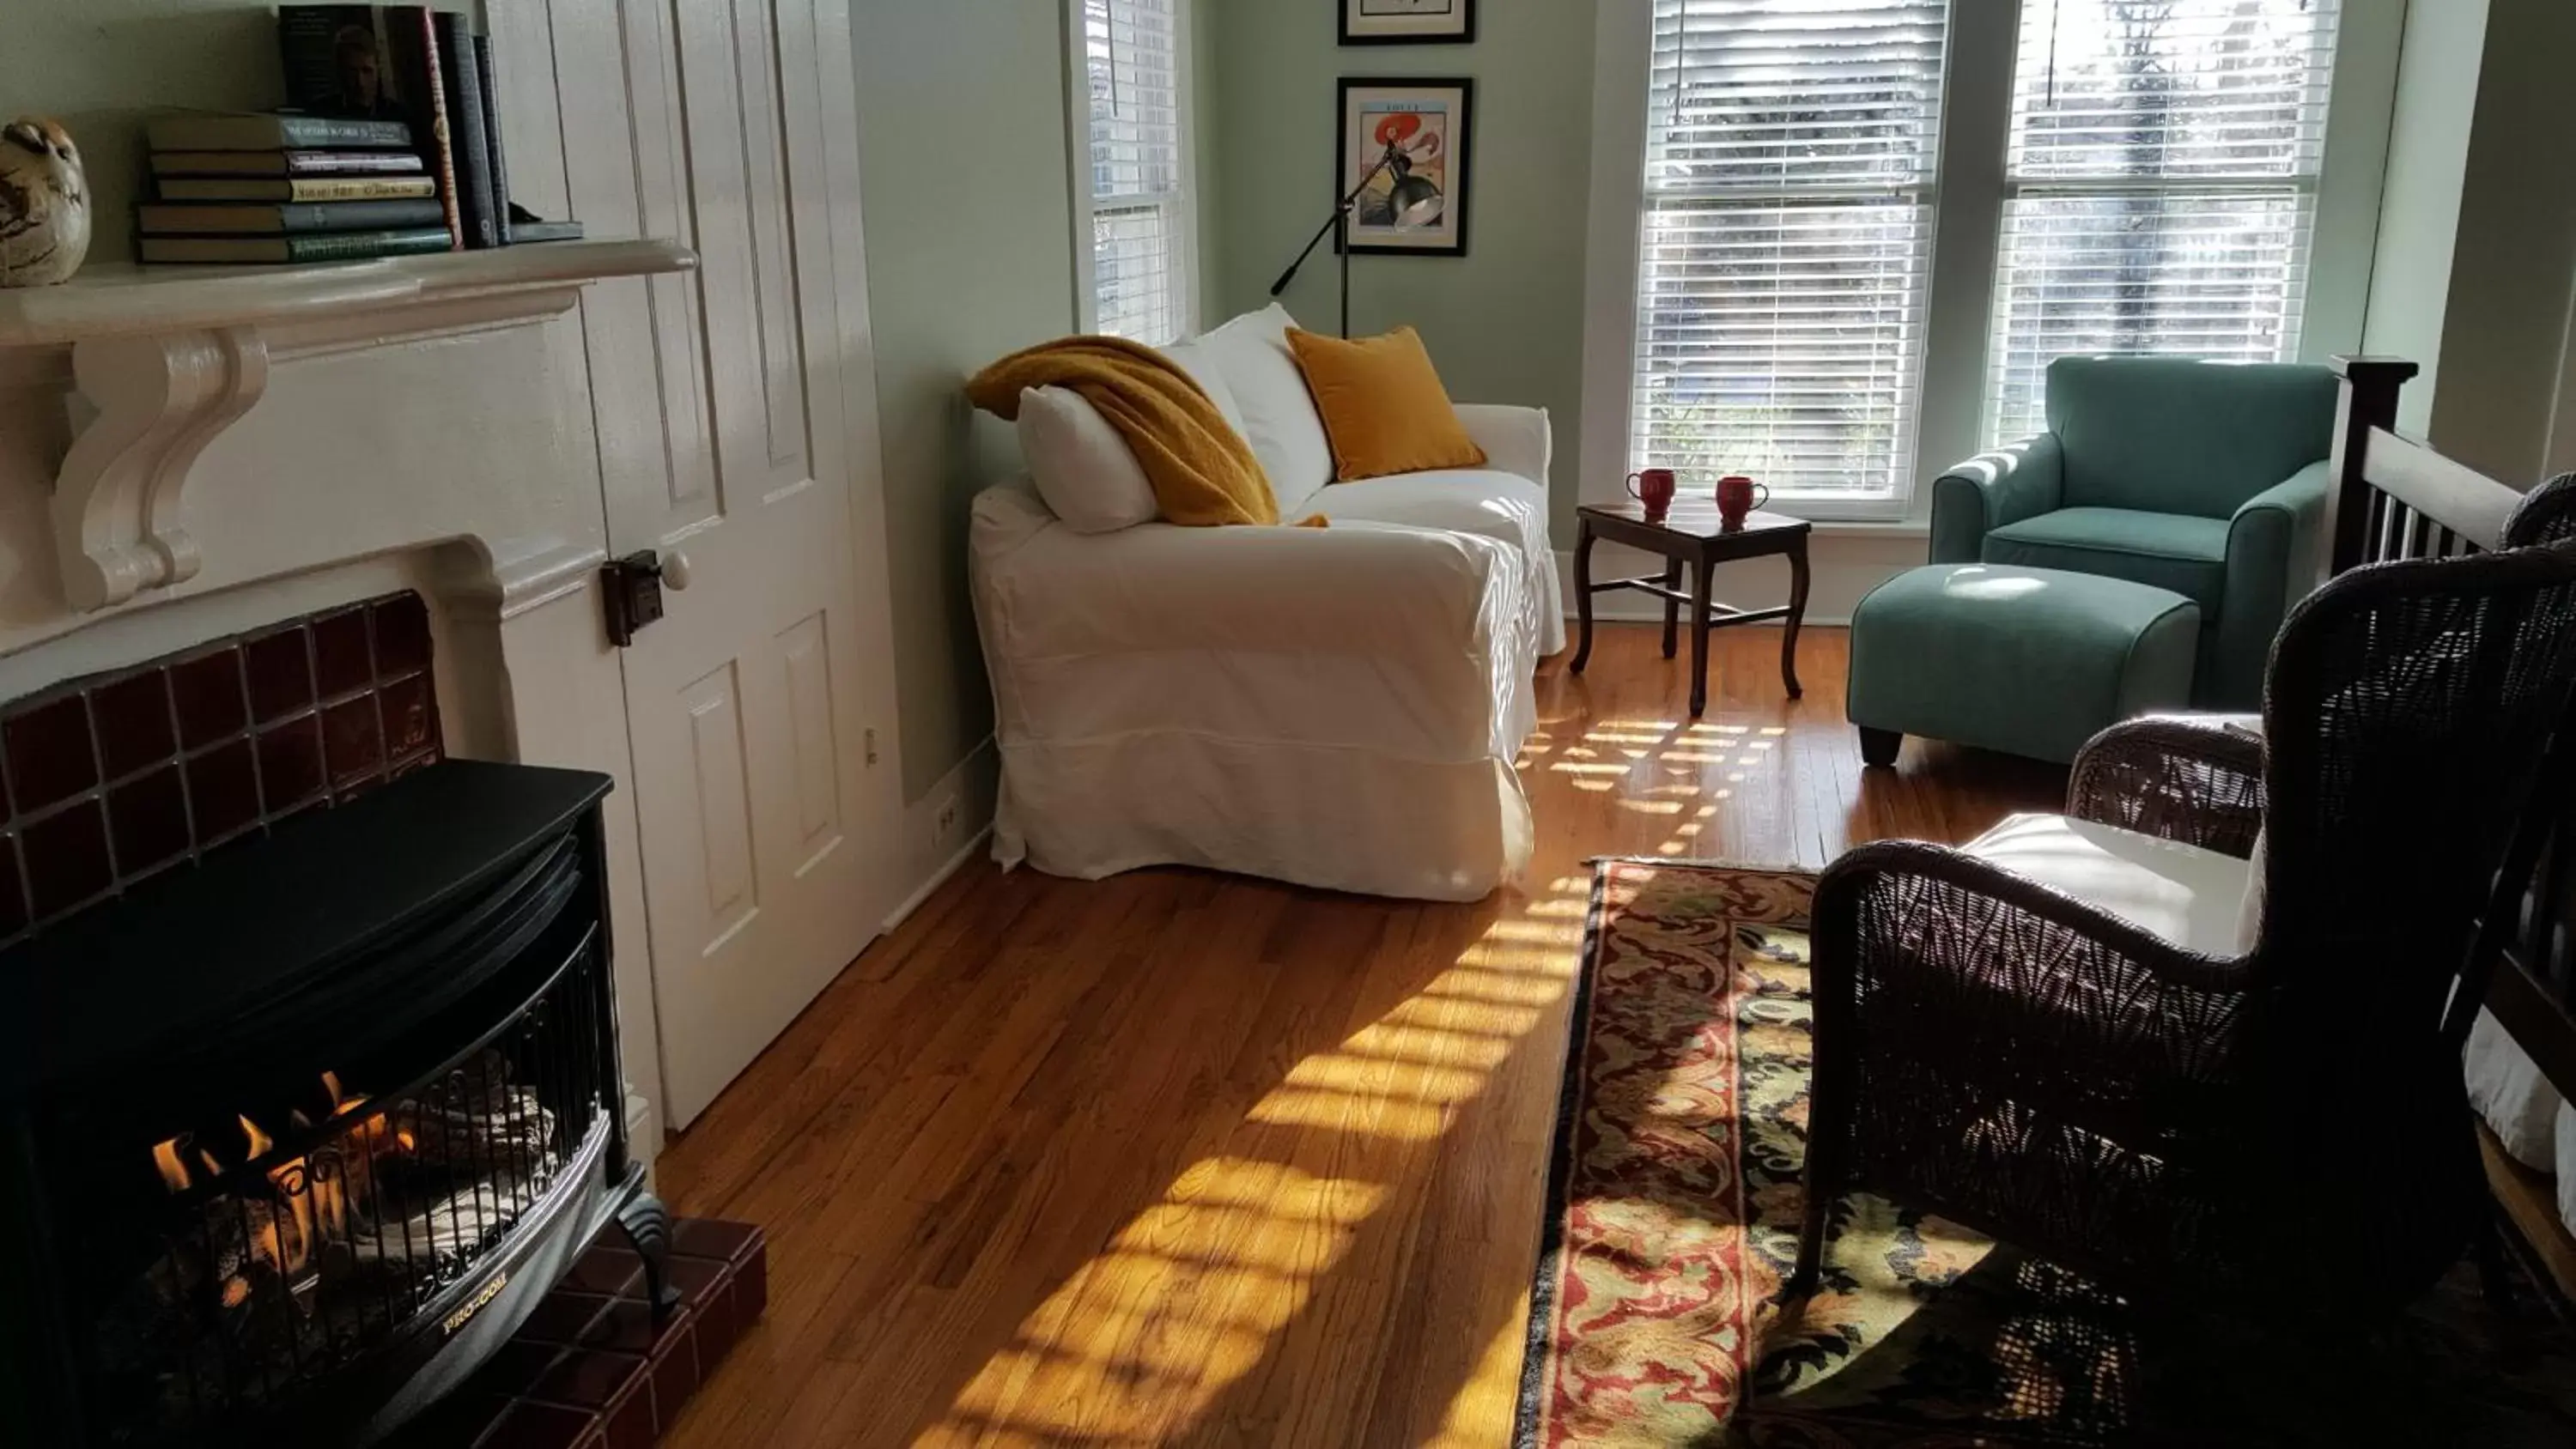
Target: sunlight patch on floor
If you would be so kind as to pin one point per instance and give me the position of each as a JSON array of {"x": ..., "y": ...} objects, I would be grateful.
[{"x": 1139, "y": 1343}]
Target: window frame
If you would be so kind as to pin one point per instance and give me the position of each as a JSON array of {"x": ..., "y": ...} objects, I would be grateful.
[
  {"x": 1181, "y": 203},
  {"x": 1967, "y": 195}
]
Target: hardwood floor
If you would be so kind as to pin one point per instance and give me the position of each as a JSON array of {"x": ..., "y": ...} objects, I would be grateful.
[{"x": 1180, "y": 1157}]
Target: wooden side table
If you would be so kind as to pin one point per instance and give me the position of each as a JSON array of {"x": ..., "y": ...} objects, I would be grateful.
[{"x": 1691, "y": 534}]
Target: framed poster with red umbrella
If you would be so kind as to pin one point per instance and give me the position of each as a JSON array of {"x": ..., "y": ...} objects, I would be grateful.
[{"x": 1406, "y": 145}]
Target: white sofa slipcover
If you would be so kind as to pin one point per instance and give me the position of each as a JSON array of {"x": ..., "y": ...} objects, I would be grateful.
[{"x": 1336, "y": 707}]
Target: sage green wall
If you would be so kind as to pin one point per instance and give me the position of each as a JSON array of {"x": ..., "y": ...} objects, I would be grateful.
[
  {"x": 102, "y": 66},
  {"x": 1505, "y": 322},
  {"x": 969, "y": 229}
]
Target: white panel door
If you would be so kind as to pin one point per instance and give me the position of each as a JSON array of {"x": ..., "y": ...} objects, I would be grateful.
[{"x": 746, "y": 701}]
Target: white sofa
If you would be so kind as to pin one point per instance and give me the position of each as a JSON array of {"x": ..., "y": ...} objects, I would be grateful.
[{"x": 1335, "y": 707}]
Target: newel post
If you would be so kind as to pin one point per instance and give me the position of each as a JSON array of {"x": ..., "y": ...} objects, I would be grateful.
[{"x": 2370, "y": 388}]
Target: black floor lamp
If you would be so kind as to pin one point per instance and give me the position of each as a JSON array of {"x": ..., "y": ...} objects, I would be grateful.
[{"x": 1415, "y": 202}]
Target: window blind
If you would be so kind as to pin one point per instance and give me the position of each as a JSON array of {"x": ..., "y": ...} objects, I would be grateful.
[
  {"x": 1139, "y": 261},
  {"x": 2162, "y": 184},
  {"x": 1787, "y": 238}
]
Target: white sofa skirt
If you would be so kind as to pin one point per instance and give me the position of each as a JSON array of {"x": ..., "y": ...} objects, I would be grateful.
[{"x": 1338, "y": 708}]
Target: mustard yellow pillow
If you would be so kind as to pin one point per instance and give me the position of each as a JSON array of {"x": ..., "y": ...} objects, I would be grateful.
[{"x": 1382, "y": 404}]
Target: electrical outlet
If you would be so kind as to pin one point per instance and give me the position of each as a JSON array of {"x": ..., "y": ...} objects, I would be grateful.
[{"x": 943, "y": 830}]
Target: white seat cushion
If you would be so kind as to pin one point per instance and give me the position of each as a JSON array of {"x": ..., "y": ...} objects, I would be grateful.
[
  {"x": 1278, "y": 414},
  {"x": 1501, "y": 506},
  {"x": 1465, "y": 500},
  {"x": 1083, "y": 468},
  {"x": 2187, "y": 896}
]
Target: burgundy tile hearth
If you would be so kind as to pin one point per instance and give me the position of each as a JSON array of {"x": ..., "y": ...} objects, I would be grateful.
[
  {"x": 108, "y": 779},
  {"x": 587, "y": 1371},
  {"x": 67, "y": 860},
  {"x": 342, "y": 662},
  {"x": 281, "y": 675},
  {"x": 134, "y": 723},
  {"x": 148, "y": 818},
  {"x": 50, "y": 755},
  {"x": 207, "y": 691}
]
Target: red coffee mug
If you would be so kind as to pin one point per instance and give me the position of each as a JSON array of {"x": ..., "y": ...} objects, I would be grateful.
[
  {"x": 1738, "y": 496},
  {"x": 1653, "y": 487}
]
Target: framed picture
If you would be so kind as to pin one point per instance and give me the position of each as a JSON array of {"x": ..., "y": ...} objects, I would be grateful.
[
  {"x": 1414, "y": 135},
  {"x": 1408, "y": 22}
]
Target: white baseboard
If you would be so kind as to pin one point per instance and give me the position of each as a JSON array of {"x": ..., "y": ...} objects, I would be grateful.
[{"x": 956, "y": 863}]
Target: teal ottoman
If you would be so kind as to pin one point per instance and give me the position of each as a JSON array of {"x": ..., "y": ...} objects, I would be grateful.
[{"x": 2027, "y": 661}]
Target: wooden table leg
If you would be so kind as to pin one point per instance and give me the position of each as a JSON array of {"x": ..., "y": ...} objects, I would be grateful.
[
  {"x": 1797, "y": 616},
  {"x": 1672, "y": 607},
  {"x": 1583, "y": 592},
  {"x": 1699, "y": 636}
]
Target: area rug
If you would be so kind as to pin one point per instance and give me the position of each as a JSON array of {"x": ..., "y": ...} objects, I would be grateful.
[{"x": 1673, "y": 1211}]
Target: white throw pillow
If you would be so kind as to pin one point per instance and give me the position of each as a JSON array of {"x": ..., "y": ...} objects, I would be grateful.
[
  {"x": 1084, "y": 470},
  {"x": 1193, "y": 359},
  {"x": 1279, "y": 417},
  {"x": 2507, "y": 1089}
]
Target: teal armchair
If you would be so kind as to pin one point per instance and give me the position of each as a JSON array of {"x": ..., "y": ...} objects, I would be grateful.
[{"x": 2204, "y": 478}]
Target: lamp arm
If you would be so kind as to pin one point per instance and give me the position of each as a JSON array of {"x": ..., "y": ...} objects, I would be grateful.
[{"x": 1340, "y": 209}]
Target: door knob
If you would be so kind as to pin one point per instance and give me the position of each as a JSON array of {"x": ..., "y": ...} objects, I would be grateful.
[{"x": 675, "y": 570}]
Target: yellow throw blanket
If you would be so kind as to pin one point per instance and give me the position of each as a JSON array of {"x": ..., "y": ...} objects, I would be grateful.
[{"x": 1203, "y": 472}]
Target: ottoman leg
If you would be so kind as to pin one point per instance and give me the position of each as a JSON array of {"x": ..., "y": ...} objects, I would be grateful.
[{"x": 1879, "y": 747}]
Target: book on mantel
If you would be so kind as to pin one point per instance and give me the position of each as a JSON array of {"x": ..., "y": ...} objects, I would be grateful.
[
  {"x": 321, "y": 246},
  {"x": 275, "y": 132},
  {"x": 289, "y": 163},
  {"x": 295, "y": 188},
  {"x": 290, "y": 217}
]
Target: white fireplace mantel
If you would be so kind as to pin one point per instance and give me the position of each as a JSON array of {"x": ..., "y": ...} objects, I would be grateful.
[{"x": 163, "y": 359}]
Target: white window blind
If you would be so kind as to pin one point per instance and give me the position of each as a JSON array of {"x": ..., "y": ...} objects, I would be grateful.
[
  {"x": 2162, "y": 184},
  {"x": 1139, "y": 204},
  {"x": 1787, "y": 244}
]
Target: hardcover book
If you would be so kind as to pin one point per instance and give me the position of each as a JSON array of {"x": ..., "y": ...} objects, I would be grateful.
[
  {"x": 370, "y": 61},
  {"x": 492, "y": 137},
  {"x": 462, "y": 74},
  {"x": 256, "y": 132},
  {"x": 291, "y": 217},
  {"x": 285, "y": 163},
  {"x": 295, "y": 188},
  {"x": 328, "y": 246}
]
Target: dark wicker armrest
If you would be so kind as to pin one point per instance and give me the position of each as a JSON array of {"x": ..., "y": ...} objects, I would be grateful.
[
  {"x": 2197, "y": 779},
  {"x": 1933, "y": 967}
]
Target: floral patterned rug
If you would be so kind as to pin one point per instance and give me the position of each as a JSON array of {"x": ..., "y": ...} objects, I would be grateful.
[{"x": 1674, "y": 1203}]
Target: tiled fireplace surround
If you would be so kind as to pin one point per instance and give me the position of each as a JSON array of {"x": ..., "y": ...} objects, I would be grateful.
[{"x": 112, "y": 778}]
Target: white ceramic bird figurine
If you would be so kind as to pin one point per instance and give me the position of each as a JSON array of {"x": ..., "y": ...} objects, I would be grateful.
[{"x": 44, "y": 204}]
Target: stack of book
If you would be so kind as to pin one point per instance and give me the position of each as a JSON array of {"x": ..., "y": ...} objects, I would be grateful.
[
  {"x": 390, "y": 144},
  {"x": 288, "y": 188}
]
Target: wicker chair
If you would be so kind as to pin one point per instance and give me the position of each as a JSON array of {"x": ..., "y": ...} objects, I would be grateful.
[{"x": 2287, "y": 1124}]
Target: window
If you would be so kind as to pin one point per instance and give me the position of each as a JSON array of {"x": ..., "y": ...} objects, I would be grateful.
[
  {"x": 1787, "y": 242},
  {"x": 1866, "y": 227},
  {"x": 2161, "y": 185},
  {"x": 1134, "y": 172}
]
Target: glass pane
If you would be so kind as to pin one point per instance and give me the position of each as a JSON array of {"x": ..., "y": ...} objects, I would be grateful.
[{"x": 2202, "y": 276}]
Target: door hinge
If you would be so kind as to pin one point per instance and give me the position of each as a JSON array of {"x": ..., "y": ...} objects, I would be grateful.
[
  {"x": 632, "y": 587},
  {"x": 872, "y": 746}
]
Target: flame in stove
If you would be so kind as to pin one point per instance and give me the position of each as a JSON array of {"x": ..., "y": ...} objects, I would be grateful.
[
  {"x": 260, "y": 1142},
  {"x": 174, "y": 1168}
]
